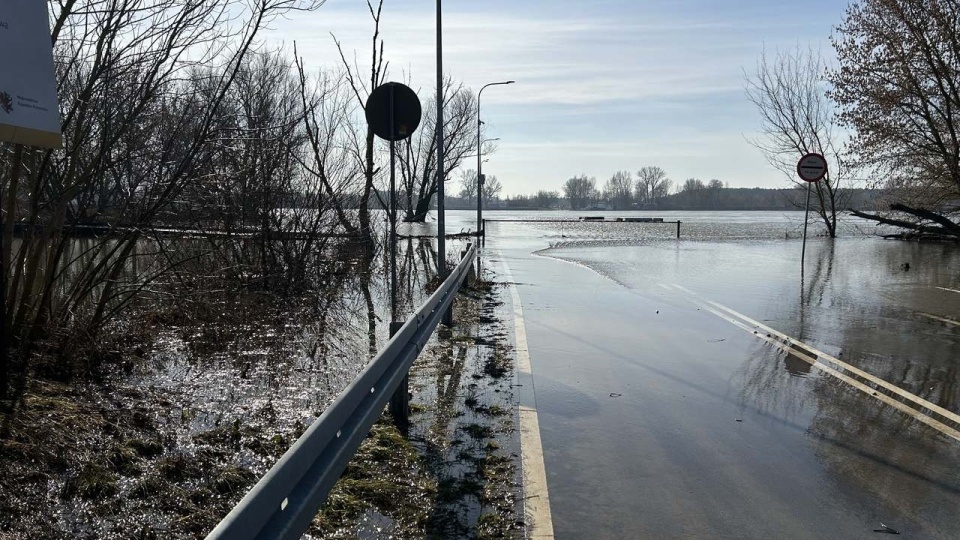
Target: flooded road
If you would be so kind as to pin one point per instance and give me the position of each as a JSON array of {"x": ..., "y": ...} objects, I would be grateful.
[{"x": 669, "y": 407}]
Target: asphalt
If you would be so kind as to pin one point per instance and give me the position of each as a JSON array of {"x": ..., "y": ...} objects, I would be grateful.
[{"x": 663, "y": 416}]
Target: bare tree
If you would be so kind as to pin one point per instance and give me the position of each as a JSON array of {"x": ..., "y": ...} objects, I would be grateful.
[
  {"x": 693, "y": 185},
  {"x": 619, "y": 190},
  {"x": 652, "y": 184},
  {"x": 797, "y": 118},
  {"x": 491, "y": 189},
  {"x": 141, "y": 122},
  {"x": 546, "y": 199},
  {"x": 364, "y": 142},
  {"x": 468, "y": 185},
  {"x": 898, "y": 86},
  {"x": 326, "y": 118},
  {"x": 418, "y": 160},
  {"x": 580, "y": 191}
]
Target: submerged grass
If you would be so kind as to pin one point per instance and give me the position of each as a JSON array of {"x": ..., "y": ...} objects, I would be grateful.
[
  {"x": 134, "y": 452},
  {"x": 138, "y": 455},
  {"x": 456, "y": 475},
  {"x": 386, "y": 476}
]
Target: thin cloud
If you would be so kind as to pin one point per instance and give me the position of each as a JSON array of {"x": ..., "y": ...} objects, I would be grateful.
[{"x": 589, "y": 75}]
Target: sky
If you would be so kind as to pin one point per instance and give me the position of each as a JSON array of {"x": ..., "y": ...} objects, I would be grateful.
[{"x": 601, "y": 86}]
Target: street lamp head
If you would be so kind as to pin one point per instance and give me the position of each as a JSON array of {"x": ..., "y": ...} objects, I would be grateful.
[
  {"x": 484, "y": 87},
  {"x": 480, "y": 159}
]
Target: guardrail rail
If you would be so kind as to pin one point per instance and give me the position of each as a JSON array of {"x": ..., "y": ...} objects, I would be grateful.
[{"x": 284, "y": 502}]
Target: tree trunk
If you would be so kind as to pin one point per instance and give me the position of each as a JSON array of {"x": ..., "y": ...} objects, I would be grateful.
[
  {"x": 926, "y": 229},
  {"x": 420, "y": 214}
]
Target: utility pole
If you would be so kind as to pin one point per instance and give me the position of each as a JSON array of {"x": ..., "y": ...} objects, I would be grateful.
[{"x": 441, "y": 229}]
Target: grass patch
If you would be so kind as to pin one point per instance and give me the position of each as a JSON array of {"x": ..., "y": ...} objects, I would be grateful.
[
  {"x": 385, "y": 475},
  {"x": 91, "y": 482},
  {"x": 478, "y": 431},
  {"x": 145, "y": 447}
]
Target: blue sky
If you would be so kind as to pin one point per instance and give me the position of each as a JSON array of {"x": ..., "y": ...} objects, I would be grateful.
[{"x": 601, "y": 85}]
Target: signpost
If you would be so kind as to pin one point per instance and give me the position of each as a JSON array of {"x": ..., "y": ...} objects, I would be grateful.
[
  {"x": 29, "y": 113},
  {"x": 393, "y": 112},
  {"x": 811, "y": 168}
]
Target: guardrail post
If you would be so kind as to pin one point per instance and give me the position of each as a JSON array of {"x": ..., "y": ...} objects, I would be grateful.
[
  {"x": 678, "y": 228},
  {"x": 448, "y": 317},
  {"x": 400, "y": 400},
  {"x": 472, "y": 273}
]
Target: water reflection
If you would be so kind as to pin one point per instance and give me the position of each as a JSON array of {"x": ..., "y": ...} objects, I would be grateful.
[
  {"x": 293, "y": 362},
  {"x": 884, "y": 453},
  {"x": 812, "y": 292},
  {"x": 862, "y": 300}
]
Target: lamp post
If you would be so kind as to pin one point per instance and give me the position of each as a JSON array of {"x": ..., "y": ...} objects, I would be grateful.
[
  {"x": 480, "y": 230},
  {"x": 441, "y": 232}
]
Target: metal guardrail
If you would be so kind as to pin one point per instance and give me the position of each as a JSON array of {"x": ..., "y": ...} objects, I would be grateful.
[{"x": 284, "y": 502}]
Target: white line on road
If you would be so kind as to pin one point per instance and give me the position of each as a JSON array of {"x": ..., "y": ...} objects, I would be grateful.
[
  {"x": 941, "y": 319},
  {"x": 740, "y": 319},
  {"x": 536, "y": 501},
  {"x": 946, "y": 289}
]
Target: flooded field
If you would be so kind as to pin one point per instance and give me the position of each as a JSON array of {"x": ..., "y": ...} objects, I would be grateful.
[{"x": 192, "y": 400}]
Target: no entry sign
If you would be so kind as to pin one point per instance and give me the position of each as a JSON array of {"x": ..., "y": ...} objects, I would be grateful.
[{"x": 812, "y": 167}]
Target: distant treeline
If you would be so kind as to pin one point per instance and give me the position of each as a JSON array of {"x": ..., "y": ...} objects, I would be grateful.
[
  {"x": 706, "y": 198},
  {"x": 758, "y": 199}
]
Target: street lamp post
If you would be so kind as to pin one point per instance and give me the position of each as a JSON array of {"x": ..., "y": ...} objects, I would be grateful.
[
  {"x": 480, "y": 231},
  {"x": 441, "y": 229}
]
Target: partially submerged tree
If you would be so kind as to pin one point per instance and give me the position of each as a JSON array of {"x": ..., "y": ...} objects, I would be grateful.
[
  {"x": 142, "y": 122},
  {"x": 580, "y": 191},
  {"x": 364, "y": 141},
  {"x": 789, "y": 91},
  {"x": 619, "y": 190},
  {"x": 417, "y": 157},
  {"x": 468, "y": 185},
  {"x": 898, "y": 86},
  {"x": 545, "y": 199},
  {"x": 652, "y": 185},
  {"x": 491, "y": 189}
]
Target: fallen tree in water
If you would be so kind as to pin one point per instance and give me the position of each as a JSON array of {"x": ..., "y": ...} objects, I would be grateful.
[{"x": 919, "y": 222}]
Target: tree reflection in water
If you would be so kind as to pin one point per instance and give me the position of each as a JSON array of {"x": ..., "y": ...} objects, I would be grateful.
[{"x": 864, "y": 444}]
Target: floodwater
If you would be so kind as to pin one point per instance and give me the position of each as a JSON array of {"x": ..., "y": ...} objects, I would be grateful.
[
  {"x": 262, "y": 369},
  {"x": 670, "y": 406}
]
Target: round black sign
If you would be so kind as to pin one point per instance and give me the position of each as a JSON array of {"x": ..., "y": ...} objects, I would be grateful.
[{"x": 406, "y": 111}]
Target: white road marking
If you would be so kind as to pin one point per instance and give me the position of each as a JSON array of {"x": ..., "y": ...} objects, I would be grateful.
[
  {"x": 946, "y": 289},
  {"x": 749, "y": 325},
  {"x": 536, "y": 501},
  {"x": 941, "y": 319}
]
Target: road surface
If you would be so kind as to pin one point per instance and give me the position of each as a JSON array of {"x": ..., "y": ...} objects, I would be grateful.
[{"x": 668, "y": 407}]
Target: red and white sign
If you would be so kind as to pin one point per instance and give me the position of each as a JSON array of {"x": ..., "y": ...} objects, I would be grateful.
[{"x": 812, "y": 167}]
